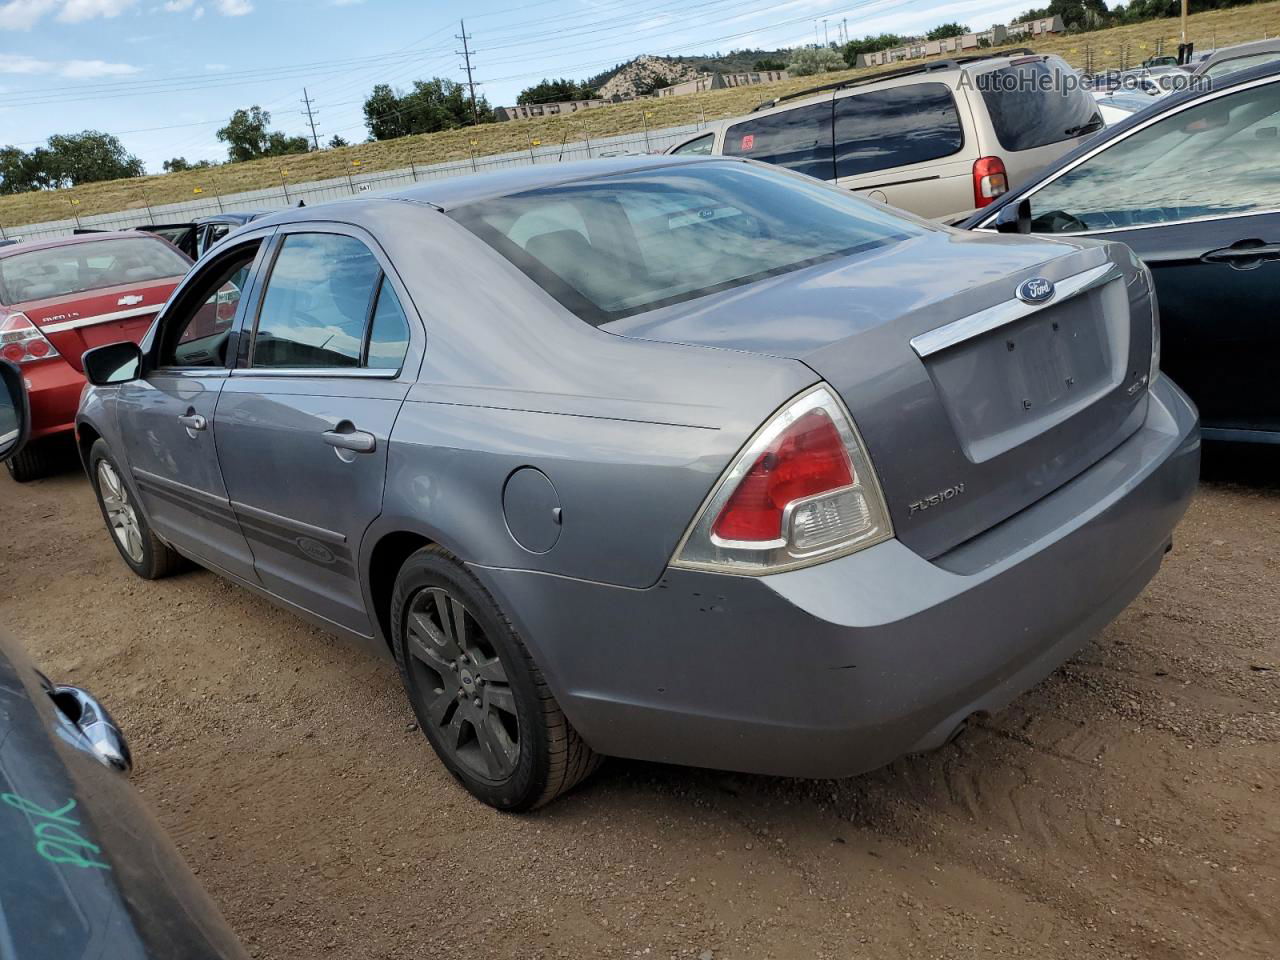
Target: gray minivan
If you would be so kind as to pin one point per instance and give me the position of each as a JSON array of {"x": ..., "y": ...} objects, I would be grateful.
[{"x": 934, "y": 139}]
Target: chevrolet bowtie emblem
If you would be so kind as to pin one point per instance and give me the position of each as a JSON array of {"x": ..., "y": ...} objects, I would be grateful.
[{"x": 129, "y": 301}]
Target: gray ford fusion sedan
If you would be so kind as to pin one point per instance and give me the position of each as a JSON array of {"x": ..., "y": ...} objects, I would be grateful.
[{"x": 689, "y": 460}]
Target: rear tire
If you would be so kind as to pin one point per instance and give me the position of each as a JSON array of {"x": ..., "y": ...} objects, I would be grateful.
[
  {"x": 31, "y": 463},
  {"x": 481, "y": 701},
  {"x": 146, "y": 554}
]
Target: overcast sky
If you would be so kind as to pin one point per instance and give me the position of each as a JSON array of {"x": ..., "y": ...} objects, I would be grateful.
[{"x": 165, "y": 74}]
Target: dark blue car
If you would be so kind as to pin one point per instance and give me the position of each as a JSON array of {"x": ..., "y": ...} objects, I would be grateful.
[{"x": 1192, "y": 186}]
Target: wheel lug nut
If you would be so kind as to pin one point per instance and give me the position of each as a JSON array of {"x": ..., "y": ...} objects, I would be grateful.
[
  {"x": 454, "y": 666},
  {"x": 476, "y": 701}
]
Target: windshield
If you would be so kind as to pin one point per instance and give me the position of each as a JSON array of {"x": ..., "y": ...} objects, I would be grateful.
[
  {"x": 80, "y": 267},
  {"x": 616, "y": 246}
]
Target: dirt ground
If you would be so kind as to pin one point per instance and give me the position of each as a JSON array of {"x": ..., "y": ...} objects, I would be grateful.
[{"x": 1129, "y": 806}]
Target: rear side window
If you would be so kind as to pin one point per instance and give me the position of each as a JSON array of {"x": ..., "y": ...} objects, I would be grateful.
[
  {"x": 798, "y": 139},
  {"x": 895, "y": 127},
  {"x": 663, "y": 236},
  {"x": 702, "y": 146},
  {"x": 1034, "y": 104},
  {"x": 81, "y": 267}
]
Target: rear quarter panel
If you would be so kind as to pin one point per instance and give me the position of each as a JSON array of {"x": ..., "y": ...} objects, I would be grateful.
[{"x": 632, "y": 434}]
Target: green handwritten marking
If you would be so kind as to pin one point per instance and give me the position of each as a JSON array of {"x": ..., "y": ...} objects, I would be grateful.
[{"x": 56, "y": 841}]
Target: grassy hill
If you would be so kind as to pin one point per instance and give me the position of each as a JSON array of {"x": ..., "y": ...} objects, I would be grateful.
[{"x": 1106, "y": 48}]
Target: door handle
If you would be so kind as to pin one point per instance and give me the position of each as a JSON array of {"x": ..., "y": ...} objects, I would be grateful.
[
  {"x": 357, "y": 441},
  {"x": 1244, "y": 254},
  {"x": 193, "y": 421}
]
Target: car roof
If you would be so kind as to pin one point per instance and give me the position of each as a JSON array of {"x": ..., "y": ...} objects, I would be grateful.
[
  {"x": 1239, "y": 50},
  {"x": 1159, "y": 105},
  {"x": 28, "y": 245},
  {"x": 232, "y": 216}
]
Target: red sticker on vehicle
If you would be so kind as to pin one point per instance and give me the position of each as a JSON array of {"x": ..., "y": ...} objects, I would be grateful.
[{"x": 748, "y": 141}]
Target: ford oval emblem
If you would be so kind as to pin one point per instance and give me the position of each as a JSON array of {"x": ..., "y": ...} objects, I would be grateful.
[{"x": 1035, "y": 290}]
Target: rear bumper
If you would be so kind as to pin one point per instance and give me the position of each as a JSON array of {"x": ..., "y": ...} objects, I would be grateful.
[
  {"x": 54, "y": 387},
  {"x": 840, "y": 668}
]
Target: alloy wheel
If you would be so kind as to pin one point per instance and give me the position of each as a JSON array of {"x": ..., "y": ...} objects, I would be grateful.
[
  {"x": 463, "y": 686},
  {"x": 121, "y": 516}
]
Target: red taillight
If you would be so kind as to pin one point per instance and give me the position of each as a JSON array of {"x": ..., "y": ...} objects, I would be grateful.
[
  {"x": 22, "y": 342},
  {"x": 806, "y": 459},
  {"x": 989, "y": 180}
]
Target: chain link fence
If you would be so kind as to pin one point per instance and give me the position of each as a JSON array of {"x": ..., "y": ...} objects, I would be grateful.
[{"x": 354, "y": 184}]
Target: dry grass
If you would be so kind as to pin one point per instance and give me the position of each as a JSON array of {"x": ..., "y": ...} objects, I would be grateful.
[{"x": 1107, "y": 47}]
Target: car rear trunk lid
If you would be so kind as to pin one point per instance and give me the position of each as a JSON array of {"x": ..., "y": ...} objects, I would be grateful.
[
  {"x": 973, "y": 403},
  {"x": 78, "y": 322}
]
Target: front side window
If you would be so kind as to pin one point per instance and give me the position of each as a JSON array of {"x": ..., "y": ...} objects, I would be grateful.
[
  {"x": 702, "y": 146},
  {"x": 798, "y": 139},
  {"x": 1033, "y": 104},
  {"x": 90, "y": 265},
  {"x": 663, "y": 236},
  {"x": 317, "y": 302},
  {"x": 895, "y": 127},
  {"x": 198, "y": 336},
  {"x": 1214, "y": 159}
]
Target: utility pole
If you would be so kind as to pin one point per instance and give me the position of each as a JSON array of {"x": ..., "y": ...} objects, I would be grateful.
[
  {"x": 826, "y": 37},
  {"x": 306, "y": 102},
  {"x": 471, "y": 84},
  {"x": 845, "y": 29},
  {"x": 1184, "y": 21}
]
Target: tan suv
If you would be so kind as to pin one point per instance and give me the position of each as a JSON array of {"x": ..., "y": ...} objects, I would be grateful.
[{"x": 934, "y": 139}]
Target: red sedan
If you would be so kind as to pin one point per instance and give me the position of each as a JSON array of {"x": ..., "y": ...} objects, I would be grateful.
[{"x": 61, "y": 297}]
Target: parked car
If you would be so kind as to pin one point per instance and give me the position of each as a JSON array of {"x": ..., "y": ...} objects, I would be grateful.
[
  {"x": 695, "y": 460},
  {"x": 1115, "y": 107},
  {"x": 194, "y": 237},
  {"x": 1193, "y": 187},
  {"x": 60, "y": 297},
  {"x": 87, "y": 870},
  {"x": 935, "y": 138},
  {"x": 1242, "y": 56}
]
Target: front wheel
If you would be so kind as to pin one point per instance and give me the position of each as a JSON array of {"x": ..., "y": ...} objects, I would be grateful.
[
  {"x": 146, "y": 554},
  {"x": 480, "y": 699}
]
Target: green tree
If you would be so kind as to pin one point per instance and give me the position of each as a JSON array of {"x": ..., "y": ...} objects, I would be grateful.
[
  {"x": 85, "y": 157},
  {"x": 945, "y": 30},
  {"x": 338, "y": 141},
  {"x": 435, "y": 104},
  {"x": 247, "y": 137},
  {"x": 178, "y": 164},
  {"x": 770, "y": 63},
  {"x": 556, "y": 91},
  {"x": 807, "y": 61},
  {"x": 18, "y": 172}
]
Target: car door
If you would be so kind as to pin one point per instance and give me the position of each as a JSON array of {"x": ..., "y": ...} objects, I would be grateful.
[
  {"x": 166, "y": 417},
  {"x": 304, "y": 420},
  {"x": 1195, "y": 192}
]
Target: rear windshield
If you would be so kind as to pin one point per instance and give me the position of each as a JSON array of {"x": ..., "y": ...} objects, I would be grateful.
[
  {"x": 79, "y": 267},
  {"x": 621, "y": 245},
  {"x": 1035, "y": 104}
]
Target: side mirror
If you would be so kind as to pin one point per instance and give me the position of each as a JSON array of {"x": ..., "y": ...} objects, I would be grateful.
[
  {"x": 1014, "y": 217},
  {"x": 112, "y": 364},
  {"x": 15, "y": 411}
]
